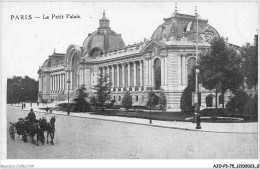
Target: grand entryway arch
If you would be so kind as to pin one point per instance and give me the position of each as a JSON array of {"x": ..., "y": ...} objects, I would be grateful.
[
  {"x": 75, "y": 75},
  {"x": 157, "y": 74}
]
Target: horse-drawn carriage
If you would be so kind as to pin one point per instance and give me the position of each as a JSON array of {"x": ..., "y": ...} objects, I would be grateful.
[{"x": 26, "y": 128}]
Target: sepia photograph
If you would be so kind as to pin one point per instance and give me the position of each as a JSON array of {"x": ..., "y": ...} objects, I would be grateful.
[{"x": 175, "y": 80}]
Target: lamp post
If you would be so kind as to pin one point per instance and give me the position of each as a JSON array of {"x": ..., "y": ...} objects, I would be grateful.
[
  {"x": 68, "y": 113},
  {"x": 197, "y": 106}
]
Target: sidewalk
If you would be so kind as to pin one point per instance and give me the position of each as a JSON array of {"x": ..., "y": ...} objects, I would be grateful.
[{"x": 242, "y": 128}]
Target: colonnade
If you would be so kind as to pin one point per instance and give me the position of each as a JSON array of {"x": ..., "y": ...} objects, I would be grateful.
[
  {"x": 58, "y": 82},
  {"x": 127, "y": 74}
]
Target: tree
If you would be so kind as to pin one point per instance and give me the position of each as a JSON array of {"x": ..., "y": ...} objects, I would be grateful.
[
  {"x": 127, "y": 100},
  {"x": 220, "y": 68},
  {"x": 153, "y": 99},
  {"x": 249, "y": 54},
  {"x": 80, "y": 101},
  {"x": 186, "y": 97},
  {"x": 238, "y": 102},
  {"x": 102, "y": 95},
  {"x": 162, "y": 100},
  {"x": 20, "y": 89}
]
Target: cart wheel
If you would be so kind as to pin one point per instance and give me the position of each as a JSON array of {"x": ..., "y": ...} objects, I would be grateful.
[{"x": 12, "y": 132}]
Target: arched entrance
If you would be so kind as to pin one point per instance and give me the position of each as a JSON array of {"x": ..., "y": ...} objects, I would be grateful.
[
  {"x": 74, "y": 66},
  {"x": 157, "y": 74}
]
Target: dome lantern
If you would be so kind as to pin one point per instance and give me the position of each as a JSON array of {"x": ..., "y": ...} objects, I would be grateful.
[{"x": 104, "y": 22}]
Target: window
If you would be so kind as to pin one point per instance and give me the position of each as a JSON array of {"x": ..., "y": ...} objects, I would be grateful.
[
  {"x": 136, "y": 98},
  {"x": 209, "y": 101}
]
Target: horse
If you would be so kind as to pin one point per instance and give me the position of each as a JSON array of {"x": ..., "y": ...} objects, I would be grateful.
[
  {"x": 31, "y": 130},
  {"x": 49, "y": 127}
]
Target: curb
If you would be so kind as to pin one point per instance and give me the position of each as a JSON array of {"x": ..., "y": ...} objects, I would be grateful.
[{"x": 151, "y": 125}]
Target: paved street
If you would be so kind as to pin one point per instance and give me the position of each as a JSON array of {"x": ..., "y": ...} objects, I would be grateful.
[{"x": 84, "y": 138}]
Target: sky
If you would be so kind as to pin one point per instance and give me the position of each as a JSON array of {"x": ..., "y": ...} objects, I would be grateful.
[{"x": 27, "y": 43}]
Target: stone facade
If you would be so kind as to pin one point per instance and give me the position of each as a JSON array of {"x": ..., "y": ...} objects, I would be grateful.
[{"x": 162, "y": 63}]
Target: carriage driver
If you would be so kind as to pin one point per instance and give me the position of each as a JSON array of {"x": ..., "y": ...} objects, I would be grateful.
[{"x": 31, "y": 116}]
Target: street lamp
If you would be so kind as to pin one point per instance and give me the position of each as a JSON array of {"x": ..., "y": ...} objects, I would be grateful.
[
  {"x": 68, "y": 97},
  {"x": 197, "y": 106}
]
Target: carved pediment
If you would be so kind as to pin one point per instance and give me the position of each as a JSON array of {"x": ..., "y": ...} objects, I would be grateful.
[{"x": 154, "y": 47}]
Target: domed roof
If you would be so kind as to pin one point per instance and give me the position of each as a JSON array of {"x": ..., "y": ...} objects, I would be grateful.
[
  {"x": 182, "y": 25},
  {"x": 104, "y": 38}
]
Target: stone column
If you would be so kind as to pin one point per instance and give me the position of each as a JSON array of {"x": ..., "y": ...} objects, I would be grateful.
[
  {"x": 146, "y": 72},
  {"x": 123, "y": 75},
  {"x": 57, "y": 79},
  {"x": 166, "y": 70},
  {"x": 152, "y": 72},
  {"x": 134, "y": 65},
  {"x": 117, "y": 78},
  {"x": 179, "y": 69},
  {"x": 162, "y": 71},
  {"x": 128, "y": 76},
  {"x": 71, "y": 80},
  {"x": 141, "y": 73},
  {"x": 108, "y": 74},
  {"x": 61, "y": 82},
  {"x": 113, "y": 76},
  {"x": 54, "y": 83},
  {"x": 183, "y": 70},
  {"x": 64, "y": 81},
  {"x": 51, "y": 84},
  {"x": 58, "y": 83}
]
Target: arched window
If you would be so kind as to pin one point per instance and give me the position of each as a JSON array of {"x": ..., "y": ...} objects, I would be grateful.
[
  {"x": 157, "y": 74},
  {"x": 190, "y": 63},
  {"x": 209, "y": 101},
  {"x": 96, "y": 52}
]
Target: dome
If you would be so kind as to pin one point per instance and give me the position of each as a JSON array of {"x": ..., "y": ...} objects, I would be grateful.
[
  {"x": 182, "y": 25},
  {"x": 104, "y": 39}
]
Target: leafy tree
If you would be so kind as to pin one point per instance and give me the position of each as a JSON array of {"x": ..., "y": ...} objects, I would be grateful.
[
  {"x": 186, "y": 97},
  {"x": 249, "y": 54},
  {"x": 220, "y": 68},
  {"x": 20, "y": 89},
  {"x": 162, "y": 101},
  {"x": 102, "y": 95},
  {"x": 153, "y": 99},
  {"x": 80, "y": 101},
  {"x": 238, "y": 102},
  {"x": 127, "y": 100}
]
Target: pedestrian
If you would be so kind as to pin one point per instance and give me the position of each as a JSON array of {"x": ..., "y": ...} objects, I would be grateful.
[
  {"x": 37, "y": 103},
  {"x": 50, "y": 110},
  {"x": 24, "y": 105}
]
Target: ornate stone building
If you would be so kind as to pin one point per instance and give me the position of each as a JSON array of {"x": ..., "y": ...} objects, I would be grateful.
[{"x": 162, "y": 63}]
